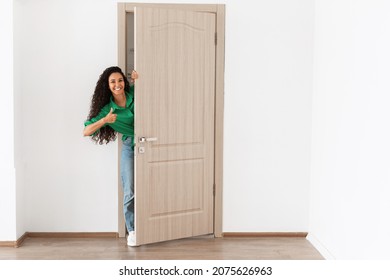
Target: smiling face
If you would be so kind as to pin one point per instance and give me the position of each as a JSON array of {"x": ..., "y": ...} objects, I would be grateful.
[{"x": 116, "y": 83}]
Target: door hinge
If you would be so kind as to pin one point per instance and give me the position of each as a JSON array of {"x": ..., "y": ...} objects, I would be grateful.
[
  {"x": 215, "y": 38},
  {"x": 213, "y": 189}
]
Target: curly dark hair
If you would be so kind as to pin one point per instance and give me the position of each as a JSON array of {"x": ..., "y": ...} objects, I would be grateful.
[{"x": 100, "y": 98}]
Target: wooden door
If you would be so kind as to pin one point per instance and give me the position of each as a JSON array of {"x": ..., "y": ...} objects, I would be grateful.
[{"x": 174, "y": 123}]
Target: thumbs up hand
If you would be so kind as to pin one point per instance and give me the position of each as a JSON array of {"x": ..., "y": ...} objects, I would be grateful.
[{"x": 110, "y": 117}]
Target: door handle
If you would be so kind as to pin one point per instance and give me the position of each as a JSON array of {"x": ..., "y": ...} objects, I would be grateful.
[{"x": 147, "y": 139}]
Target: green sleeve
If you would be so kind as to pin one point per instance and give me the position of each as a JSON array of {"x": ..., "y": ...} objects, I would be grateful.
[{"x": 103, "y": 112}]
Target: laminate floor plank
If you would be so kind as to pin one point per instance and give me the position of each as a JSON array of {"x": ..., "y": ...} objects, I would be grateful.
[{"x": 199, "y": 248}]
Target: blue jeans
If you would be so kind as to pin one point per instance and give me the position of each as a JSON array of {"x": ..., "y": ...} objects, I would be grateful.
[{"x": 127, "y": 175}]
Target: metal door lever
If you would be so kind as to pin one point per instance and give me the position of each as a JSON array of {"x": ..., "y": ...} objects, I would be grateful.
[{"x": 147, "y": 139}]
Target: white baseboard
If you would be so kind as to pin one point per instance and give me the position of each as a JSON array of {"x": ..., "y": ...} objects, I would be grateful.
[{"x": 320, "y": 247}]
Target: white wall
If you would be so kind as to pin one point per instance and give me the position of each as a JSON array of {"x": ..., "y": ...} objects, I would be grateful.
[
  {"x": 71, "y": 185},
  {"x": 7, "y": 170},
  {"x": 269, "y": 48},
  {"x": 20, "y": 162},
  {"x": 351, "y": 152}
]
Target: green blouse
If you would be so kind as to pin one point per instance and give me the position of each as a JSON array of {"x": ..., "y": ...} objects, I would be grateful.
[{"x": 124, "y": 123}]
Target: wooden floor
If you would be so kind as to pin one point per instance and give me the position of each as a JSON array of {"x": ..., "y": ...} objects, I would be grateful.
[{"x": 200, "y": 248}]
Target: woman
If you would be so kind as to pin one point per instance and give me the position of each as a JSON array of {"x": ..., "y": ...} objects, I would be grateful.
[{"x": 112, "y": 111}]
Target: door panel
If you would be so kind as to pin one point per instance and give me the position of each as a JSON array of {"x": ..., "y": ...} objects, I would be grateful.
[{"x": 175, "y": 93}]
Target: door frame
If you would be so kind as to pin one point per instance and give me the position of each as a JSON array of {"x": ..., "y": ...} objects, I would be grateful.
[{"x": 219, "y": 11}]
